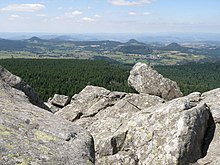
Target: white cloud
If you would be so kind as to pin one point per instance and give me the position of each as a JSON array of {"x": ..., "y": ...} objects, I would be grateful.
[
  {"x": 23, "y": 7},
  {"x": 73, "y": 14},
  {"x": 132, "y": 13},
  {"x": 97, "y": 16},
  {"x": 129, "y": 3},
  {"x": 87, "y": 19},
  {"x": 15, "y": 17}
]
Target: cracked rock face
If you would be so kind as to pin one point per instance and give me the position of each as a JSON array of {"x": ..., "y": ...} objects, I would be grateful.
[
  {"x": 141, "y": 128},
  {"x": 146, "y": 80},
  {"x": 170, "y": 134},
  {"x": 31, "y": 135},
  {"x": 89, "y": 102}
]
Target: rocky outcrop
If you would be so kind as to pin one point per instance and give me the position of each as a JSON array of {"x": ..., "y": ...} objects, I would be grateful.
[
  {"x": 31, "y": 135},
  {"x": 87, "y": 103},
  {"x": 146, "y": 80},
  {"x": 172, "y": 133},
  {"x": 141, "y": 128},
  {"x": 93, "y": 101},
  {"x": 17, "y": 83},
  {"x": 127, "y": 128}
]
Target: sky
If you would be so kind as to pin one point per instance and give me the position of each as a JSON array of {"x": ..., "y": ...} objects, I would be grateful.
[{"x": 110, "y": 16}]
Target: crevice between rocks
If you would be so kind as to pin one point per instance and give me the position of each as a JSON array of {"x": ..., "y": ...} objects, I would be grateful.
[
  {"x": 209, "y": 135},
  {"x": 78, "y": 116},
  {"x": 95, "y": 113},
  {"x": 118, "y": 142},
  {"x": 134, "y": 105}
]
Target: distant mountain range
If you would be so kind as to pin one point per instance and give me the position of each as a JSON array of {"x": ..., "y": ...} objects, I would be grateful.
[
  {"x": 132, "y": 46},
  {"x": 146, "y": 38},
  {"x": 41, "y": 46}
]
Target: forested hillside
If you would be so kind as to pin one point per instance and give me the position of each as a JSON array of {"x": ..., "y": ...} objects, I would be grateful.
[
  {"x": 193, "y": 77},
  {"x": 68, "y": 77}
]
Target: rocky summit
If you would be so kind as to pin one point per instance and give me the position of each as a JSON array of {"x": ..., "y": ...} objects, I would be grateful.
[{"x": 153, "y": 127}]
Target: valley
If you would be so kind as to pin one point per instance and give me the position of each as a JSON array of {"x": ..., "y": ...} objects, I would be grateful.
[{"x": 129, "y": 52}]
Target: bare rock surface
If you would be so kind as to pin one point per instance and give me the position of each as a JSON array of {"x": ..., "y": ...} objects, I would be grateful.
[
  {"x": 31, "y": 135},
  {"x": 146, "y": 80},
  {"x": 142, "y": 128},
  {"x": 17, "y": 83},
  {"x": 89, "y": 102},
  {"x": 212, "y": 99},
  {"x": 60, "y": 100},
  {"x": 172, "y": 133},
  {"x": 52, "y": 107}
]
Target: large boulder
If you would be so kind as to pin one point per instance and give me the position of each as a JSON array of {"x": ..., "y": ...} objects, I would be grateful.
[
  {"x": 17, "y": 83},
  {"x": 144, "y": 79},
  {"x": 176, "y": 132},
  {"x": 142, "y": 128},
  {"x": 31, "y": 135}
]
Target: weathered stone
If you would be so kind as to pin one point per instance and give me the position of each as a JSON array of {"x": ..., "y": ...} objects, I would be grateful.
[
  {"x": 141, "y": 128},
  {"x": 52, "y": 107},
  {"x": 212, "y": 99},
  {"x": 60, "y": 100},
  {"x": 89, "y": 102},
  {"x": 131, "y": 103},
  {"x": 146, "y": 80},
  {"x": 17, "y": 83},
  {"x": 31, "y": 135},
  {"x": 169, "y": 133}
]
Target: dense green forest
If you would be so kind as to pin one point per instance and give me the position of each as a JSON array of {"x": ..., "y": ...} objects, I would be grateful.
[
  {"x": 68, "y": 76},
  {"x": 193, "y": 77}
]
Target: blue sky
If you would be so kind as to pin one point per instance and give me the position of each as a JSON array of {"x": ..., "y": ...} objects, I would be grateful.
[{"x": 110, "y": 16}]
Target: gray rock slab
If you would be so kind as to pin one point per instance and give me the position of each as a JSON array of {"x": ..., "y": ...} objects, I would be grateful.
[
  {"x": 31, "y": 135},
  {"x": 17, "y": 83},
  {"x": 144, "y": 79}
]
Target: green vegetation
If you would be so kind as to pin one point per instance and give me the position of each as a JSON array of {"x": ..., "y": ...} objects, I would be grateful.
[
  {"x": 193, "y": 77},
  {"x": 130, "y": 52},
  {"x": 68, "y": 76}
]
